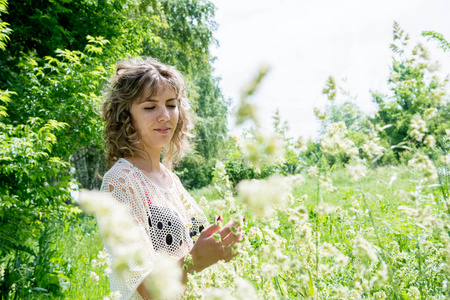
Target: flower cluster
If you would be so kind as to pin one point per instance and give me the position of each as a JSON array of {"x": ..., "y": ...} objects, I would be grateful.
[
  {"x": 425, "y": 165},
  {"x": 419, "y": 128},
  {"x": 336, "y": 140},
  {"x": 164, "y": 281},
  {"x": 262, "y": 196},
  {"x": 265, "y": 147},
  {"x": 372, "y": 148},
  {"x": 116, "y": 227}
]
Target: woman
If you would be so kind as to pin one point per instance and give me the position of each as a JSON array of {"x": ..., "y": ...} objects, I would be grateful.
[{"x": 147, "y": 117}]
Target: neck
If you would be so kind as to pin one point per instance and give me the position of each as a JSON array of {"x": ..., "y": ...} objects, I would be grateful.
[{"x": 146, "y": 160}]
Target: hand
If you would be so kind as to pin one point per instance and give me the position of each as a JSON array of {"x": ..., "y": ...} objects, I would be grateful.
[{"x": 207, "y": 251}]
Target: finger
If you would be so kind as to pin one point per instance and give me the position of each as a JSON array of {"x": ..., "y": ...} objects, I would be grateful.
[
  {"x": 210, "y": 230},
  {"x": 229, "y": 240},
  {"x": 226, "y": 230}
]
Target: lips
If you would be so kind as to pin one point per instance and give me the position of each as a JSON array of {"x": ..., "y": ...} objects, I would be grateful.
[{"x": 164, "y": 130}]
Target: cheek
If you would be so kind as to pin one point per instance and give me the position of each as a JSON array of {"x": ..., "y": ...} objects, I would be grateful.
[{"x": 176, "y": 116}]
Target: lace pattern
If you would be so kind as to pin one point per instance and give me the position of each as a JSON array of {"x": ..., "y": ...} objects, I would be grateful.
[{"x": 168, "y": 219}]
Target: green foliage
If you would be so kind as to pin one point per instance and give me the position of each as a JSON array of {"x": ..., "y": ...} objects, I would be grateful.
[
  {"x": 41, "y": 27},
  {"x": 238, "y": 168},
  {"x": 34, "y": 186},
  {"x": 53, "y": 69},
  {"x": 195, "y": 170},
  {"x": 5, "y": 31},
  {"x": 415, "y": 91},
  {"x": 443, "y": 43}
]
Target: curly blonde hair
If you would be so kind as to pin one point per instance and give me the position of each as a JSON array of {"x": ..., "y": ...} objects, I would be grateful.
[{"x": 135, "y": 78}]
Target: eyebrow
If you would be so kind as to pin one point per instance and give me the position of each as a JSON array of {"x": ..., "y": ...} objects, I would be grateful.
[{"x": 156, "y": 101}]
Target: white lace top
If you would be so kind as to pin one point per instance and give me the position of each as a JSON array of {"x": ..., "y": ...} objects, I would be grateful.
[{"x": 168, "y": 219}]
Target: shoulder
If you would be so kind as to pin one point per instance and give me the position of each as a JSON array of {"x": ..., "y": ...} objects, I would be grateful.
[
  {"x": 118, "y": 174},
  {"x": 174, "y": 177}
]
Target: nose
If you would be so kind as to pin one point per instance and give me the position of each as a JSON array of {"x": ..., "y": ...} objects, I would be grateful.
[{"x": 164, "y": 115}]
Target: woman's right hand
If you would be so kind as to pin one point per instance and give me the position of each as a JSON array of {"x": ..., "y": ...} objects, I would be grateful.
[{"x": 207, "y": 251}]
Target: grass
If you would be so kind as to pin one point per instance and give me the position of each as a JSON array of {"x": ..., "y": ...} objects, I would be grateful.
[{"x": 413, "y": 254}]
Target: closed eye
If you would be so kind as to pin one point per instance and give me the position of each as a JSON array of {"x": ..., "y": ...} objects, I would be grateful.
[{"x": 148, "y": 108}]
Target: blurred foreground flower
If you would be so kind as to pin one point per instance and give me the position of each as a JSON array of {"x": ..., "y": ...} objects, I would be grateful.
[
  {"x": 301, "y": 144},
  {"x": 425, "y": 165},
  {"x": 445, "y": 159},
  {"x": 419, "y": 127},
  {"x": 247, "y": 110},
  {"x": 116, "y": 228},
  {"x": 356, "y": 171},
  {"x": 262, "y": 196},
  {"x": 265, "y": 147},
  {"x": 430, "y": 141},
  {"x": 113, "y": 296},
  {"x": 164, "y": 281},
  {"x": 372, "y": 148},
  {"x": 324, "y": 209},
  {"x": 364, "y": 250},
  {"x": 336, "y": 140}
]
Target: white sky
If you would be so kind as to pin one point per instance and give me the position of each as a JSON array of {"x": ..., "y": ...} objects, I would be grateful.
[{"x": 305, "y": 41}]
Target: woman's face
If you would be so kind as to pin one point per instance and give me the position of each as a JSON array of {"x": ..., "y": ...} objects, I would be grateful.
[{"x": 155, "y": 119}]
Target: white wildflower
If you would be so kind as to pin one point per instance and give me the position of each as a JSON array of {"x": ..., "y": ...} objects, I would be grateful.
[
  {"x": 381, "y": 276},
  {"x": 341, "y": 292},
  {"x": 313, "y": 172},
  {"x": 413, "y": 293},
  {"x": 326, "y": 184},
  {"x": 269, "y": 270},
  {"x": 327, "y": 250},
  {"x": 364, "y": 250},
  {"x": 113, "y": 296},
  {"x": 430, "y": 141},
  {"x": 336, "y": 140},
  {"x": 297, "y": 215},
  {"x": 116, "y": 227},
  {"x": 107, "y": 271},
  {"x": 356, "y": 171},
  {"x": 381, "y": 295},
  {"x": 430, "y": 113},
  {"x": 423, "y": 216},
  {"x": 425, "y": 165},
  {"x": 164, "y": 282},
  {"x": 264, "y": 147},
  {"x": 324, "y": 209},
  {"x": 350, "y": 233},
  {"x": 445, "y": 159},
  {"x": 416, "y": 134},
  {"x": 254, "y": 233},
  {"x": 301, "y": 144},
  {"x": 319, "y": 114},
  {"x": 221, "y": 178},
  {"x": 295, "y": 180},
  {"x": 262, "y": 196},
  {"x": 245, "y": 290},
  {"x": 94, "y": 277},
  {"x": 372, "y": 148},
  {"x": 419, "y": 128},
  {"x": 217, "y": 294}
]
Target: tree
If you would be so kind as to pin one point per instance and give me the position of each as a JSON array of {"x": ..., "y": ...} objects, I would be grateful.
[
  {"x": 53, "y": 69},
  {"x": 415, "y": 91},
  {"x": 58, "y": 74}
]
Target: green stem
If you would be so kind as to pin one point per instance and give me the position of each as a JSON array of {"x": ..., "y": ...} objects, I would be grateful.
[{"x": 383, "y": 252}]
